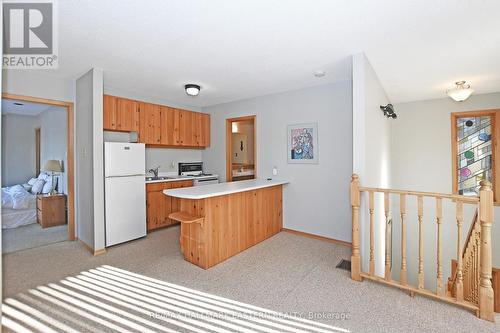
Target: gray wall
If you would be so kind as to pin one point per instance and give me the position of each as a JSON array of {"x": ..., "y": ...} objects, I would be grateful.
[
  {"x": 421, "y": 145},
  {"x": 18, "y": 165},
  {"x": 84, "y": 159},
  {"x": 89, "y": 159},
  {"x": 316, "y": 200},
  {"x": 54, "y": 141}
]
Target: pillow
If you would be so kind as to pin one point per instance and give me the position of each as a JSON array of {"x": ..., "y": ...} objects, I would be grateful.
[
  {"x": 49, "y": 186},
  {"x": 38, "y": 186},
  {"x": 43, "y": 176},
  {"x": 31, "y": 181},
  {"x": 27, "y": 187}
]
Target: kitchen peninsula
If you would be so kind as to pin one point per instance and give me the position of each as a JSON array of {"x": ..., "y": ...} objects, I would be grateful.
[{"x": 218, "y": 221}]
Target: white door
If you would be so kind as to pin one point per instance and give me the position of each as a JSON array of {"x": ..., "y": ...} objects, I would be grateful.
[
  {"x": 124, "y": 159},
  {"x": 125, "y": 209}
]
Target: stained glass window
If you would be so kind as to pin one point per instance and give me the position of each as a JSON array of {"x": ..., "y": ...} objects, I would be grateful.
[{"x": 474, "y": 153}]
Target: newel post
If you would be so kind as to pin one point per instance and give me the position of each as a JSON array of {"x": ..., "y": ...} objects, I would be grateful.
[
  {"x": 355, "y": 202},
  {"x": 486, "y": 219}
]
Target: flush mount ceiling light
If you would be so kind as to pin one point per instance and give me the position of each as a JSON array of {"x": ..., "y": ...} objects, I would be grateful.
[
  {"x": 319, "y": 73},
  {"x": 461, "y": 92},
  {"x": 192, "y": 89}
]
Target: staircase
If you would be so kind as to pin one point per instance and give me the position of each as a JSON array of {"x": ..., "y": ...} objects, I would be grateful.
[
  {"x": 465, "y": 272},
  {"x": 471, "y": 283}
]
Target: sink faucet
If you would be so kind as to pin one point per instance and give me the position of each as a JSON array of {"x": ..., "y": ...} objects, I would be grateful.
[{"x": 154, "y": 171}]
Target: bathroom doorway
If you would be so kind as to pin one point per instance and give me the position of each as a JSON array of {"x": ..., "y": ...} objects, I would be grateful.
[{"x": 241, "y": 148}]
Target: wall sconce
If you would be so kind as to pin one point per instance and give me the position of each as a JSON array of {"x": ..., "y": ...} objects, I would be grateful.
[{"x": 388, "y": 111}]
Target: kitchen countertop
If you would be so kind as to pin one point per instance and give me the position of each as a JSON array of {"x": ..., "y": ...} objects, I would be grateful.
[{"x": 214, "y": 190}]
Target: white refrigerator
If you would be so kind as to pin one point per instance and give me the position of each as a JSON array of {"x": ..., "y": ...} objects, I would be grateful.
[{"x": 125, "y": 191}]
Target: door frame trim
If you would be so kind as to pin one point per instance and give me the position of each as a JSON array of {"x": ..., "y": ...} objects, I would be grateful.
[
  {"x": 70, "y": 152},
  {"x": 229, "y": 144}
]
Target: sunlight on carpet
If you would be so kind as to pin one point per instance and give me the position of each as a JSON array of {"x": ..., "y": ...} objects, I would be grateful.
[{"x": 113, "y": 299}]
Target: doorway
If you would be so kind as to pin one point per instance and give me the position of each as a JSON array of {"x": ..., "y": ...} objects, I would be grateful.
[
  {"x": 241, "y": 147},
  {"x": 63, "y": 163}
]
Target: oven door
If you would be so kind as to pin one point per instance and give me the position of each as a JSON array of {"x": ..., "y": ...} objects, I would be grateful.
[{"x": 205, "y": 181}]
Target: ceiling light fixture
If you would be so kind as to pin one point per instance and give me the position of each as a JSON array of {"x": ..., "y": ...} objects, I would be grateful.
[
  {"x": 461, "y": 92},
  {"x": 192, "y": 89},
  {"x": 319, "y": 73}
]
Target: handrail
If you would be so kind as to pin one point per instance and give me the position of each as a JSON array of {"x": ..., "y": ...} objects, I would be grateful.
[
  {"x": 463, "y": 198},
  {"x": 475, "y": 292}
]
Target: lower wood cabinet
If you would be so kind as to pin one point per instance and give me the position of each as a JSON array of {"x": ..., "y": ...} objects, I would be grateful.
[{"x": 159, "y": 206}]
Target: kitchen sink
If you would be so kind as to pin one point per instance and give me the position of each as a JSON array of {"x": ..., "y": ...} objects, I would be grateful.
[{"x": 157, "y": 178}]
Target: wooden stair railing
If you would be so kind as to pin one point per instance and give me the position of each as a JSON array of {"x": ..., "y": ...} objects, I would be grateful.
[
  {"x": 467, "y": 269},
  {"x": 472, "y": 285},
  {"x": 457, "y": 281}
]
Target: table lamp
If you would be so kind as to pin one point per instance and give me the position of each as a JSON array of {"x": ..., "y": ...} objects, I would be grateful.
[{"x": 53, "y": 166}]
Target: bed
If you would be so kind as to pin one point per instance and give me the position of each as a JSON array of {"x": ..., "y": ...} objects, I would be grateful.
[{"x": 19, "y": 201}]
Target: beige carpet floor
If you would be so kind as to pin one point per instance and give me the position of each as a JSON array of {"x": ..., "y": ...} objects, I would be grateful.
[
  {"x": 287, "y": 273},
  {"x": 31, "y": 236}
]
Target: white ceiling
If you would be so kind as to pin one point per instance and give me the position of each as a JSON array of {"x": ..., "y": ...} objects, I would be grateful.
[
  {"x": 245, "y": 48},
  {"x": 26, "y": 109}
]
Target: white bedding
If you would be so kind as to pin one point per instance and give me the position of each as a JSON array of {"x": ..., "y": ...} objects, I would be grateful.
[
  {"x": 13, "y": 218},
  {"x": 18, "y": 207}
]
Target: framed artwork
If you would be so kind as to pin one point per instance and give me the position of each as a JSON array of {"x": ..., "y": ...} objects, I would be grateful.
[{"x": 303, "y": 143}]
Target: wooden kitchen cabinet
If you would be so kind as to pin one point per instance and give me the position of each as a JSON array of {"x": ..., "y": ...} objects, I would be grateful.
[
  {"x": 203, "y": 129},
  {"x": 157, "y": 125},
  {"x": 159, "y": 205},
  {"x": 149, "y": 123},
  {"x": 120, "y": 114},
  {"x": 109, "y": 112},
  {"x": 187, "y": 128},
  {"x": 169, "y": 126}
]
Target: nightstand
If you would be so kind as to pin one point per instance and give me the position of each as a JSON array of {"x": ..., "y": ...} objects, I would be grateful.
[{"x": 51, "y": 209}]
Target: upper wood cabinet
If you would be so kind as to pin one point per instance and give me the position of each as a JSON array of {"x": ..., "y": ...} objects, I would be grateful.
[
  {"x": 169, "y": 126},
  {"x": 150, "y": 123},
  {"x": 157, "y": 125},
  {"x": 120, "y": 114}
]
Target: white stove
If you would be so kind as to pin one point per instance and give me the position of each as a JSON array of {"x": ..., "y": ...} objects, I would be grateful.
[{"x": 195, "y": 169}]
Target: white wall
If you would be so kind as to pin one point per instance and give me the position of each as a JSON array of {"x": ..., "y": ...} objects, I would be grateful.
[
  {"x": 36, "y": 83},
  {"x": 421, "y": 147},
  {"x": 164, "y": 157},
  {"x": 98, "y": 158},
  {"x": 316, "y": 200},
  {"x": 18, "y": 164},
  {"x": 371, "y": 151}
]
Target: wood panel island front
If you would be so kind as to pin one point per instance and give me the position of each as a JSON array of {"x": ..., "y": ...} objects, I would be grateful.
[{"x": 218, "y": 221}]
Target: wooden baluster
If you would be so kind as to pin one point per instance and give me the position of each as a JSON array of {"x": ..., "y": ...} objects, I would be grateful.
[
  {"x": 459, "y": 287},
  {"x": 402, "y": 208},
  {"x": 387, "y": 238},
  {"x": 372, "y": 233},
  {"x": 355, "y": 202},
  {"x": 439, "y": 220},
  {"x": 486, "y": 219},
  {"x": 420, "y": 201}
]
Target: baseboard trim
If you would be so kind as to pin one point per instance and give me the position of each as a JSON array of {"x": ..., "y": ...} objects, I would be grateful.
[
  {"x": 90, "y": 249},
  {"x": 326, "y": 239},
  {"x": 99, "y": 252}
]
